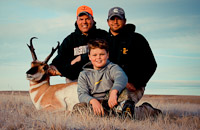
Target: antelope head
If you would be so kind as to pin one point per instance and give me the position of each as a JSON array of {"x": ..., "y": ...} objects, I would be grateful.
[{"x": 39, "y": 69}]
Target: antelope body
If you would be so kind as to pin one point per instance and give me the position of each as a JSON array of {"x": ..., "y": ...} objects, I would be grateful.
[{"x": 44, "y": 95}]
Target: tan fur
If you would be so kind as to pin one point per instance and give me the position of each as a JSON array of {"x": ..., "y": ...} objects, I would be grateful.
[
  {"x": 44, "y": 95},
  {"x": 49, "y": 100}
]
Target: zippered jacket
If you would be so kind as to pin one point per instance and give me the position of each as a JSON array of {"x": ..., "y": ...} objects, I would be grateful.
[
  {"x": 131, "y": 51},
  {"x": 74, "y": 45},
  {"x": 97, "y": 83}
]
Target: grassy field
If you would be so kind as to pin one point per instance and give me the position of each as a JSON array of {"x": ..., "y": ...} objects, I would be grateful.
[{"x": 179, "y": 113}]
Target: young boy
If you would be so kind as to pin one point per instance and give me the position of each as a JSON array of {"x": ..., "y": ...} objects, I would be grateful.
[{"x": 100, "y": 77}]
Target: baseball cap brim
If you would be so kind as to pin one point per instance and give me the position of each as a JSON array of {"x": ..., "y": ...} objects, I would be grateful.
[
  {"x": 84, "y": 13},
  {"x": 120, "y": 16}
]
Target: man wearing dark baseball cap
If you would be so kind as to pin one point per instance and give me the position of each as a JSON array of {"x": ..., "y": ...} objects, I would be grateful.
[
  {"x": 116, "y": 11},
  {"x": 131, "y": 51}
]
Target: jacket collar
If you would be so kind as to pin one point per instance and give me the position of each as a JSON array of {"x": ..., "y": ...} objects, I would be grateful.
[{"x": 128, "y": 28}]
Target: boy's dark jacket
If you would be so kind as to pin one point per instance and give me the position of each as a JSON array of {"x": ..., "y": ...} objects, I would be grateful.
[
  {"x": 66, "y": 51},
  {"x": 131, "y": 51}
]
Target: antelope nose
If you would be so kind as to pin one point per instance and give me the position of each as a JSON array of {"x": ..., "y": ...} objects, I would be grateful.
[{"x": 28, "y": 75}]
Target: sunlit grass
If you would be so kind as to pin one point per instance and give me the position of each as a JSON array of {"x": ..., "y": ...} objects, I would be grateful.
[{"x": 18, "y": 112}]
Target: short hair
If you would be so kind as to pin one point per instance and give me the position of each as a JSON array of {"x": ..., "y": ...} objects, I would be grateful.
[{"x": 98, "y": 43}]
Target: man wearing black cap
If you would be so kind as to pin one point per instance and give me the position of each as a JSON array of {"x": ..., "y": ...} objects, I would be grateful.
[
  {"x": 73, "y": 52},
  {"x": 131, "y": 51}
]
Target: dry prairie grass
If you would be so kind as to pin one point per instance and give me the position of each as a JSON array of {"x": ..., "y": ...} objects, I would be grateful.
[{"x": 179, "y": 113}]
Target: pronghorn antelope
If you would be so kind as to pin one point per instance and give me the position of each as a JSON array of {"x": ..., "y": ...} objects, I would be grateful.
[{"x": 44, "y": 95}]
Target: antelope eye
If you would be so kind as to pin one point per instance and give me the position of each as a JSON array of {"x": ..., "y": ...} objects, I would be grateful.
[{"x": 45, "y": 67}]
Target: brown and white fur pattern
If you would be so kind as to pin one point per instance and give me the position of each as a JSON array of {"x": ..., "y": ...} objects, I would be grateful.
[{"x": 46, "y": 96}]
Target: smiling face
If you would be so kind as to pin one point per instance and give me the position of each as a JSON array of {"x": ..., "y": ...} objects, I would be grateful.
[
  {"x": 98, "y": 57},
  {"x": 85, "y": 23},
  {"x": 115, "y": 24}
]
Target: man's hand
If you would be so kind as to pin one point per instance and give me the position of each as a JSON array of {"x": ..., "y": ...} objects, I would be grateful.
[
  {"x": 77, "y": 59},
  {"x": 130, "y": 87},
  {"x": 112, "y": 101},
  {"x": 97, "y": 107},
  {"x": 52, "y": 71}
]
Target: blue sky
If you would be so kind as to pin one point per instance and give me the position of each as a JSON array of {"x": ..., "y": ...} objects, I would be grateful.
[{"x": 172, "y": 28}]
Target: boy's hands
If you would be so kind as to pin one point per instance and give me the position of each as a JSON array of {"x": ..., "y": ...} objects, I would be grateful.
[
  {"x": 97, "y": 107},
  {"x": 112, "y": 101}
]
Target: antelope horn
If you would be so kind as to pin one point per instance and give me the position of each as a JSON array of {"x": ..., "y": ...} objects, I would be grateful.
[
  {"x": 51, "y": 54},
  {"x": 32, "y": 49}
]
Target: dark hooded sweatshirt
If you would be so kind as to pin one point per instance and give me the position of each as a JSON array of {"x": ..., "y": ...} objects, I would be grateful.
[
  {"x": 131, "y": 51},
  {"x": 74, "y": 45}
]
